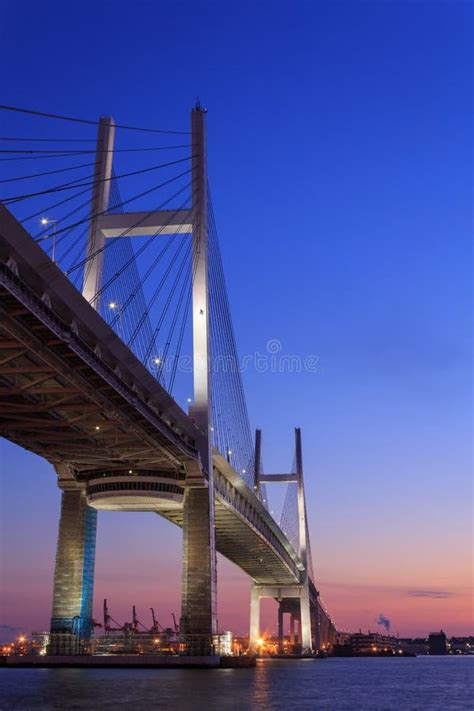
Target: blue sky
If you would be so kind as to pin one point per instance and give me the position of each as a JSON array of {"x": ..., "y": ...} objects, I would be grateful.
[{"x": 340, "y": 160}]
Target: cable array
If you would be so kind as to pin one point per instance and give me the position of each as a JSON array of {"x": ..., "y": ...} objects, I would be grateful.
[
  {"x": 289, "y": 516},
  {"x": 289, "y": 521},
  {"x": 119, "y": 254},
  {"x": 147, "y": 281},
  {"x": 75, "y": 119},
  {"x": 231, "y": 426},
  {"x": 146, "y": 288},
  {"x": 145, "y": 292}
]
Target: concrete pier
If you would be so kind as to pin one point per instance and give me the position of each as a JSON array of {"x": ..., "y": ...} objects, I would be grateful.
[
  {"x": 198, "y": 613},
  {"x": 71, "y": 619}
]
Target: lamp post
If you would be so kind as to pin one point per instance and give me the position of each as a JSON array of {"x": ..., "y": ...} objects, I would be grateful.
[
  {"x": 115, "y": 306},
  {"x": 47, "y": 221}
]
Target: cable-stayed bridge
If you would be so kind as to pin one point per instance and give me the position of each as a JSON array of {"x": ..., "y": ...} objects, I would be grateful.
[{"x": 110, "y": 317}]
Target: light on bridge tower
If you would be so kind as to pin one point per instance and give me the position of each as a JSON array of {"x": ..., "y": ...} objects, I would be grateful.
[
  {"x": 199, "y": 614},
  {"x": 200, "y": 411}
]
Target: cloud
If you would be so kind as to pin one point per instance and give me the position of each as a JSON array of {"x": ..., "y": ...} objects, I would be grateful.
[
  {"x": 436, "y": 594},
  {"x": 384, "y": 621}
]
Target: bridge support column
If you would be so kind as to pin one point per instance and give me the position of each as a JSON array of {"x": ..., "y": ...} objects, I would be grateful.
[
  {"x": 305, "y": 616},
  {"x": 280, "y": 628},
  {"x": 292, "y": 631},
  {"x": 282, "y": 593},
  {"x": 305, "y": 620},
  {"x": 318, "y": 641},
  {"x": 198, "y": 616},
  {"x": 71, "y": 622},
  {"x": 254, "y": 619}
]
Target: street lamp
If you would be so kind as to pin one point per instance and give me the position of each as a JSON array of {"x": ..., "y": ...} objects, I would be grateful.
[
  {"x": 47, "y": 221},
  {"x": 115, "y": 306}
]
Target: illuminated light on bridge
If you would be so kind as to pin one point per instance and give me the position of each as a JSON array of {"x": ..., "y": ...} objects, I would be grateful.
[{"x": 67, "y": 357}]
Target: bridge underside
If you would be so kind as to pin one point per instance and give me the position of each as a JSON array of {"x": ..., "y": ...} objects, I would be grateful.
[
  {"x": 56, "y": 404},
  {"x": 243, "y": 546},
  {"x": 96, "y": 413}
]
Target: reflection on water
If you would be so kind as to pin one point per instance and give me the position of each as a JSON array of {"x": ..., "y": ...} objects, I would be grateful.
[{"x": 427, "y": 683}]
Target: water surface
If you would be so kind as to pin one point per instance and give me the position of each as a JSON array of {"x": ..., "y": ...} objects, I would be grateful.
[{"x": 421, "y": 683}]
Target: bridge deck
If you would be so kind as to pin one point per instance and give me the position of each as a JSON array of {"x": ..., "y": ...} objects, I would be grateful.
[{"x": 72, "y": 392}]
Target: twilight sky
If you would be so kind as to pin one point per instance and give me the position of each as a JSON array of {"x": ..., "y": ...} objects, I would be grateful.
[{"x": 340, "y": 162}]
